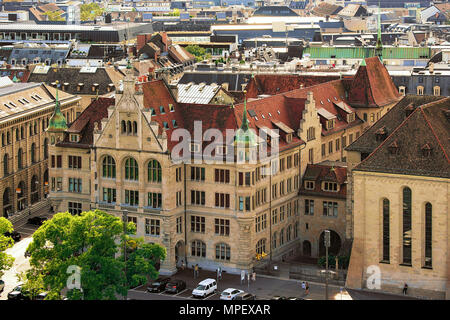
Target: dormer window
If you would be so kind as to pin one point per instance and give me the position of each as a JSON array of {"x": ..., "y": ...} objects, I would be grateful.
[
  {"x": 80, "y": 86},
  {"x": 74, "y": 137},
  {"x": 381, "y": 134},
  {"x": 351, "y": 117},
  {"x": 330, "y": 124},
  {"x": 166, "y": 125},
  {"x": 309, "y": 185},
  {"x": 330, "y": 186},
  {"x": 426, "y": 150},
  {"x": 393, "y": 148},
  {"x": 94, "y": 87},
  {"x": 174, "y": 123},
  {"x": 110, "y": 87},
  {"x": 171, "y": 107},
  {"x": 161, "y": 110},
  {"x": 289, "y": 137},
  {"x": 153, "y": 112}
]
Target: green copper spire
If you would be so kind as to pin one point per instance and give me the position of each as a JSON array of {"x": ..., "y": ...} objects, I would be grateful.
[
  {"x": 379, "y": 46},
  {"x": 57, "y": 121},
  {"x": 244, "y": 125},
  {"x": 245, "y": 136}
]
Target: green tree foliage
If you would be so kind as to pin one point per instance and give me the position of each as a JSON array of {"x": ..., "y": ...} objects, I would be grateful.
[
  {"x": 89, "y": 11},
  {"x": 91, "y": 241},
  {"x": 6, "y": 261},
  {"x": 199, "y": 52},
  {"x": 54, "y": 16}
]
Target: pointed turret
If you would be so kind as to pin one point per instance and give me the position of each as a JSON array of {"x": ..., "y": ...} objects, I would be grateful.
[
  {"x": 244, "y": 136},
  {"x": 57, "y": 121}
]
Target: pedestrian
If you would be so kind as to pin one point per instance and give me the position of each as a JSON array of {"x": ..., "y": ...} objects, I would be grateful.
[
  {"x": 306, "y": 288},
  {"x": 182, "y": 264},
  {"x": 405, "y": 289},
  {"x": 254, "y": 276},
  {"x": 303, "y": 286},
  {"x": 196, "y": 271}
]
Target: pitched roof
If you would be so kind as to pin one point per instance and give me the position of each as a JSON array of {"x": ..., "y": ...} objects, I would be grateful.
[
  {"x": 418, "y": 146},
  {"x": 324, "y": 9},
  {"x": 84, "y": 124},
  {"x": 319, "y": 173},
  {"x": 372, "y": 86},
  {"x": 368, "y": 142}
]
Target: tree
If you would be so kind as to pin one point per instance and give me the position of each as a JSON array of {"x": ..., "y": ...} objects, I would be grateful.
[
  {"x": 6, "y": 261},
  {"x": 54, "y": 16},
  {"x": 89, "y": 11},
  {"x": 90, "y": 241},
  {"x": 199, "y": 52}
]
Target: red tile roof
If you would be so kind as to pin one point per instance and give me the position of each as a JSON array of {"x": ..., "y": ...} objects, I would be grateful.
[
  {"x": 372, "y": 86},
  {"x": 319, "y": 173}
]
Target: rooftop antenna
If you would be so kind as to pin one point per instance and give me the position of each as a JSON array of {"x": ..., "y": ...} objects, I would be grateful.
[{"x": 379, "y": 46}]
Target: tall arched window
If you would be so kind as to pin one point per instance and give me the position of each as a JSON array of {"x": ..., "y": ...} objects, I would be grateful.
[
  {"x": 261, "y": 246},
  {"x": 223, "y": 252},
  {"x": 21, "y": 196},
  {"x": 3, "y": 140},
  {"x": 198, "y": 248},
  {"x": 386, "y": 237},
  {"x": 281, "y": 237},
  {"x": 131, "y": 169},
  {"x": 296, "y": 230},
  {"x": 428, "y": 234},
  {"x": 134, "y": 127},
  {"x": 154, "y": 171},
  {"x": 20, "y": 158},
  {"x": 34, "y": 189},
  {"x": 129, "y": 127},
  {"x": 407, "y": 230},
  {"x": 33, "y": 153},
  {"x": 289, "y": 234},
  {"x": 7, "y": 204},
  {"x": 22, "y": 133},
  {"x": 8, "y": 137},
  {"x": 124, "y": 126},
  {"x": 274, "y": 240},
  {"x": 5, "y": 165},
  {"x": 109, "y": 167},
  {"x": 46, "y": 148},
  {"x": 17, "y": 134}
]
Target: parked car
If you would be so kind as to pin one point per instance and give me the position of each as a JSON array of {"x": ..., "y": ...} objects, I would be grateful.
[
  {"x": 175, "y": 286},
  {"x": 41, "y": 296},
  {"x": 37, "y": 221},
  {"x": 16, "y": 236},
  {"x": 2, "y": 285},
  {"x": 230, "y": 293},
  {"x": 18, "y": 293},
  {"x": 278, "y": 298},
  {"x": 294, "y": 298},
  {"x": 158, "y": 285},
  {"x": 244, "y": 296},
  {"x": 205, "y": 288}
]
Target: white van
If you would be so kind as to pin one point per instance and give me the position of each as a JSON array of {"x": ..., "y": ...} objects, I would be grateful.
[{"x": 205, "y": 288}]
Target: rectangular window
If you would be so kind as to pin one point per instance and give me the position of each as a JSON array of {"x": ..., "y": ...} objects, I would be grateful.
[
  {"x": 198, "y": 224},
  {"x": 330, "y": 186},
  {"x": 386, "y": 236},
  {"x": 222, "y": 200},
  {"x": 260, "y": 223},
  {"x": 180, "y": 225},
  {"x": 274, "y": 216},
  {"x": 74, "y": 162},
  {"x": 222, "y": 227},
  {"x": 74, "y": 208},
  {"x": 222, "y": 175},
  {"x": 323, "y": 149},
  {"x": 178, "y": 174},
  {"x": 152, "y": 227},
  {"x": 428, "y": 235},
  {"x": 132, "y": 197},
  {"x": 309, "y": 207},
  {"x": 154, "y": 200},
  {"x": 59, "y": 161},
  {"x": 53, "y": 161},
  {"x": 179, "y": 199},
  {"x": 330, "y": 147},
  {"x": 311, "y": 155},
  {"x": 281, "y": 213},
  {"x": 109, "y": 195},
  {"x": 330, "y": 209},
  {"x": 75, "y": 185},
  {"x": 344, "y": 142},
  {"x": 198, "y": 197},
  {"x": 198, "y": 173},
  {"x": 337, "y": 144}
]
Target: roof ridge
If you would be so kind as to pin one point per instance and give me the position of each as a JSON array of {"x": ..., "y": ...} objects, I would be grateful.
[{"x": 434, "y": 133}]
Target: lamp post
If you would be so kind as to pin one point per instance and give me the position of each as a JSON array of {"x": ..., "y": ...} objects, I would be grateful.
[
  {"x": 125, "y": 221},
  {"x": 327, "y": 244}
]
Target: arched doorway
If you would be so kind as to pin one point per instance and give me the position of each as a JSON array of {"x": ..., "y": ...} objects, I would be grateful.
[
  {"x": 21, "y": 196},
  {"x": 7, "y": 203},
  {"x": 307, "y": 248},
  {"x": 180, "y": 253},
  {"x": 34, "y": 189},
  {"x": 335, "y": 244}
]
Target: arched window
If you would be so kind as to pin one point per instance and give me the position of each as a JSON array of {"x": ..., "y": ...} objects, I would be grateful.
[
  {"x": 154, "y": 171},
  {"x": 19, "y": 158},
  {"x": 21, "y": 196},
  {"x": 31, "y": 129},
  {"x": 109, "y": 167},
  {"x": 407, "y": 230},
  {"x": 8, "y": 137},
  {"x": 34, "y": 189},
  {"x": 198, "y": 248},
  {"x": 46, "y": 148},
  {"x": 128, "y": 127},
  {"x": 289, "y": 233},
  {"x": 17, "y": 134},
  {"x": 5, "y": 165},
  {"x": 7, "y": 204},
  {"x": 22, "y": 133},
  {"x": 386, "y": 237},
  {"x": 296, "y": 230},
  {"x": 261, "y": 246},
  {"x": 281, "y": 237},
  {"x": 35, "y": 127},
  {"x": 33, "y": 153},
  {"x": 124, "y": 126},
  {"x": 3, "y": 140},
  {"x": 131, "y": 169},
  {"x": 134, "y": 127},
  {"x": 428, "y": 234},
  {"x": 223, "y": 252},
  {"x": 274, "y": 240}
]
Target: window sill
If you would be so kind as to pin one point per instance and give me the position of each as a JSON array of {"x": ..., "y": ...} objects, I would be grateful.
[
  {"x": 384, "y": 262},
  {"x": 428, "y": 267},
  {"x": 405, "y": 264}
]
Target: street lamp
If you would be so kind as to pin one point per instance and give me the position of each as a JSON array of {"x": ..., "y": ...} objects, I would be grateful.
[
  {"x": 125, "y": 221},
  {"x": 327, "y": 245}
]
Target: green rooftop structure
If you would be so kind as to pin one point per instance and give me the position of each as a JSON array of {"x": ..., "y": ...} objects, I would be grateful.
[
  {"x": 57, "y": 121},
  {"x": 364, "y": 52},
  {"x": 245, "y": 137}
]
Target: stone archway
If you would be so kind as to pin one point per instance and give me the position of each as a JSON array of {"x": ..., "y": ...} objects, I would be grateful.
[
  {"x": 335, "y": 244},
  {"x": 306, "y": 248},
  {"x": 180, "y": 253}
]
